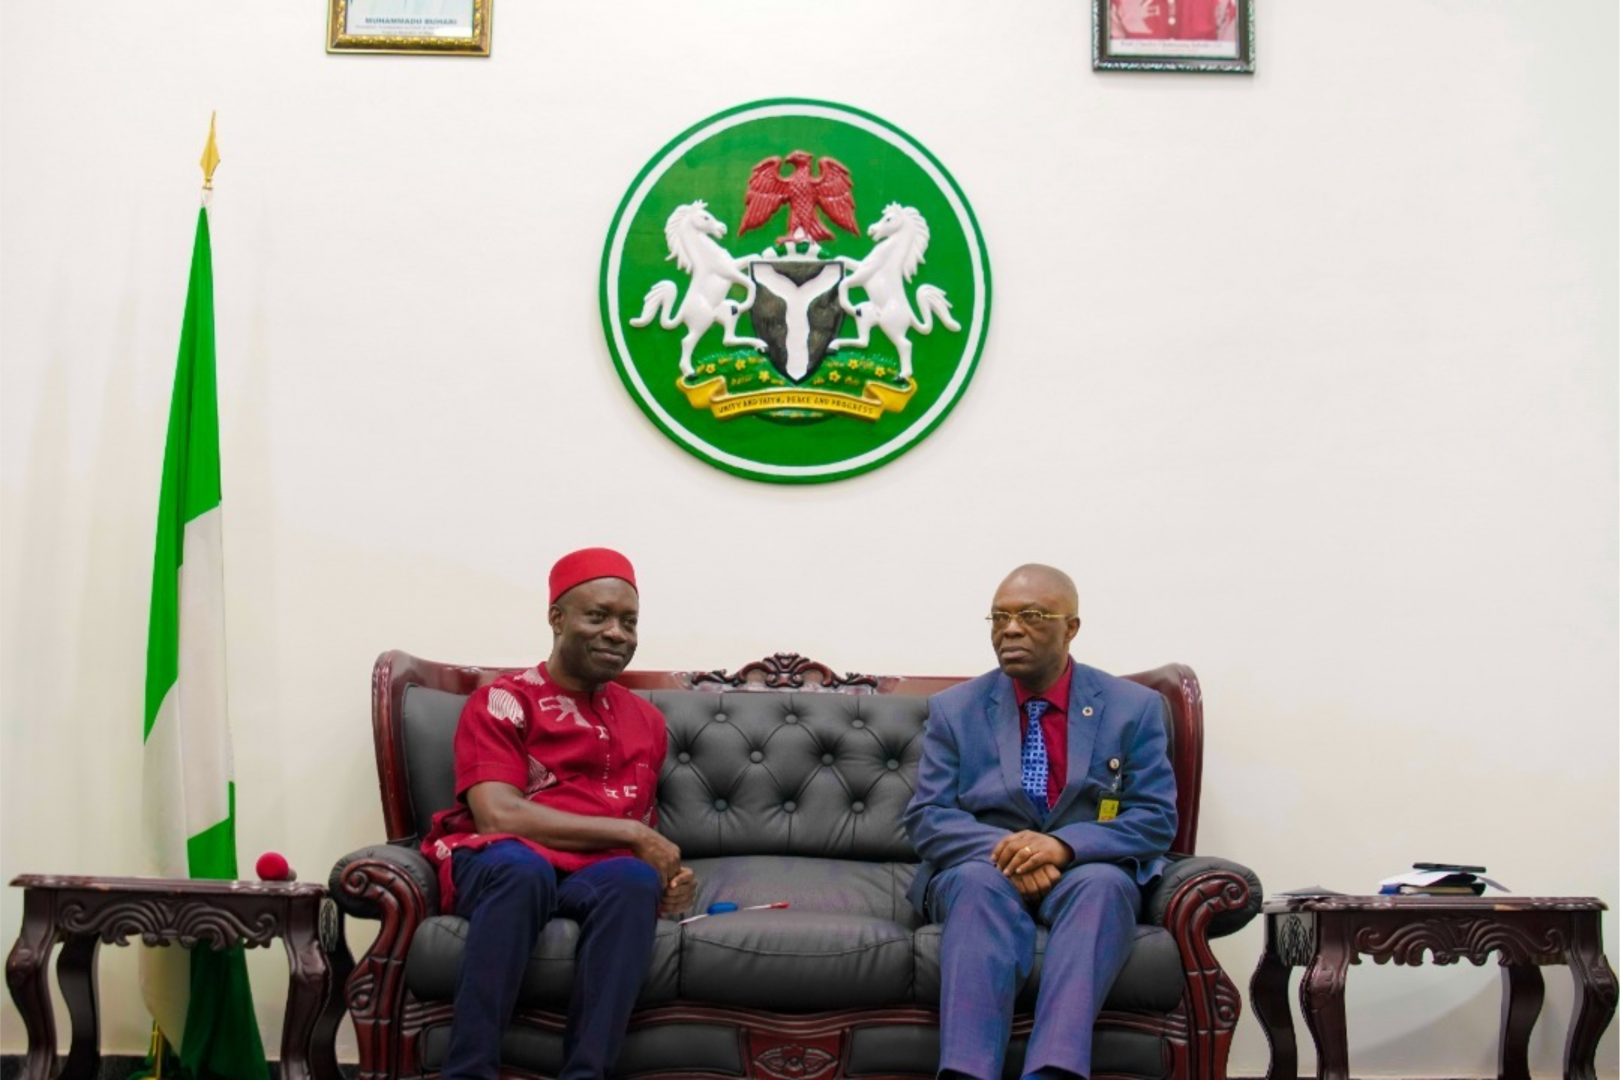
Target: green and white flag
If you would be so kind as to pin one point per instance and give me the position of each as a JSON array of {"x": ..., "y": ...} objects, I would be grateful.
[{"x": 200, "y": 998}]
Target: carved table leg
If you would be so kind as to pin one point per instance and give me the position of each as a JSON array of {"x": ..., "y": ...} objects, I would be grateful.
[
  {"x": 1268, "y": 991},
  {"x": 1522, "y": 994},
  {"x": 76, "y": 975},
  {"x": 27, "y": 974},
  {"x": 1321, "y": 999},
  {"x": 309, "y": 989},
  {"x": 1595, "y": 992},
  {"x": 323, "y": 1048}
]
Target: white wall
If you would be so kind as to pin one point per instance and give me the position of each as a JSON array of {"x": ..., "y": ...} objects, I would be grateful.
[{"x": 1315, "y": 370}]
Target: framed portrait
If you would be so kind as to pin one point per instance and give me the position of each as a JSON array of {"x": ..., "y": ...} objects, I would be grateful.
[
  {"x": 450, "y": 27},
  {"x": 1172, "y": 35}
]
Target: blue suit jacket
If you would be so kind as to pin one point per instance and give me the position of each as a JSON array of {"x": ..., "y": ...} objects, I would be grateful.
[{"x": 969, "y": 794}]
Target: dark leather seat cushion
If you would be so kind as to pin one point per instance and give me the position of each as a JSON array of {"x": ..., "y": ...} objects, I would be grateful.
[
  {"x": 834, "y": 886},
  {"x": 796, "y": 961},
  {"x": 792, "y": 961},
  {"x": 434, "y": 963},
  {"x": 1151, "y": 981}
]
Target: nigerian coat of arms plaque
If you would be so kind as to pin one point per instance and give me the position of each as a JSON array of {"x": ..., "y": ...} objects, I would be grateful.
[{"x": 795, "y": 291}]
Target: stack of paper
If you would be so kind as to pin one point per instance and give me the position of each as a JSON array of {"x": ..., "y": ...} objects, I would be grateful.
[{"x": 1444, "y": 882}]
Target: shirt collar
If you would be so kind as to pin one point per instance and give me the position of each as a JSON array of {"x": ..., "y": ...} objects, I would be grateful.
[
  {"x": 578, "y": 695},
  {"x": 1057, "y": 695}
]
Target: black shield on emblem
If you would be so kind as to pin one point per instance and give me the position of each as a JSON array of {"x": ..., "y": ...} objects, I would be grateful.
[{"x": 796, "y": 312}]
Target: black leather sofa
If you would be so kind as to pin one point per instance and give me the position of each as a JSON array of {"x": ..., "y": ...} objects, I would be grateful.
[{"x": 784, "y": 782}]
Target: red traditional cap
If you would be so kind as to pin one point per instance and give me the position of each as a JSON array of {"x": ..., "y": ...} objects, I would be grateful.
[{"x": 588, "y": 564}]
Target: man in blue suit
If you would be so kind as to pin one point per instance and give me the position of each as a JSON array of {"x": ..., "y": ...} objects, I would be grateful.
[{"x": 1045, "y": 796}]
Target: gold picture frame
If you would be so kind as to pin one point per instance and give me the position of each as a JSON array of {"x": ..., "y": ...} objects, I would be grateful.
[{"x": 421, "y": 27}]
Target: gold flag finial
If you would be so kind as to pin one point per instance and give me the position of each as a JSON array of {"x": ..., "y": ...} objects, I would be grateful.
[{"x": 210, "y": 158}]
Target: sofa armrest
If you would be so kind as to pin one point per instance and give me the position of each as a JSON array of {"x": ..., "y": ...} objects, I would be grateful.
[
  {"x": 396, "y": 885},
  {"x": 1199, "y": 898},
  {"x": 1233, "y": 892},
  {"x": 367, "y": 882}
]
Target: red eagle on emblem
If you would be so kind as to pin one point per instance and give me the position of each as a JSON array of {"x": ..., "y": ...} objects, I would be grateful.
[{"x": 833, "y": 192}]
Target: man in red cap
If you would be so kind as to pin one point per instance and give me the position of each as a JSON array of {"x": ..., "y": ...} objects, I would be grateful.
[{"x": 556, "y": 775}]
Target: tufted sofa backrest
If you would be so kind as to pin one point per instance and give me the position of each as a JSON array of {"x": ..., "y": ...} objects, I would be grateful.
[
  {"x": 746, "y": 773},
  {"x": 802, "y": 770},
  {"x": 752, "y": 773}
]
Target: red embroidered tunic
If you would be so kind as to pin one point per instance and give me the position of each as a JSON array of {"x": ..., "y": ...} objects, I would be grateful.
[{"x": 594, "y": 754}]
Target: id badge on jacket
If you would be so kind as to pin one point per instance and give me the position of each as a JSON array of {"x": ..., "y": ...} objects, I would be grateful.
[{"x": 1108, "y": 805}]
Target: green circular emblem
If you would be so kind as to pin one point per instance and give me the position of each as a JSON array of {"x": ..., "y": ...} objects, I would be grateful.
[{"x": 795, "y": 291}]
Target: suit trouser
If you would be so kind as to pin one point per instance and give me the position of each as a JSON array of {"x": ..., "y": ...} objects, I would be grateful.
[
  {"x": 507, "y": 893},
  {"x": 988, "y": 950}
]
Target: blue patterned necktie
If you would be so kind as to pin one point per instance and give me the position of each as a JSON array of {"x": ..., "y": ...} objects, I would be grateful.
[{"x": 1034, "y": 755}]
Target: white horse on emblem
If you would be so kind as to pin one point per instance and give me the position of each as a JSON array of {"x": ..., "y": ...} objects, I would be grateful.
[
  {"x": 691, "y": 232},
  {"x": 902, "y": 237}
]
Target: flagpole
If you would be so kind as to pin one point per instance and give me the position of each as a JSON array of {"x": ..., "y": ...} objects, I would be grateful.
[{"x": 201, "y": 999}]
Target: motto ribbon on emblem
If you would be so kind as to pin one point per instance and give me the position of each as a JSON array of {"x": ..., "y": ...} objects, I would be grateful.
[{"x": 875, "y": 400}]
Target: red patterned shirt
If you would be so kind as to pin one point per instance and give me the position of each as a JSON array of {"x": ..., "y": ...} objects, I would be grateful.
[{"x": 594, "y": 754}]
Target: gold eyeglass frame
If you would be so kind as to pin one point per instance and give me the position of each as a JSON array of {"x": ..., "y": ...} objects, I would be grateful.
[{"x": 1024, "y": 617}]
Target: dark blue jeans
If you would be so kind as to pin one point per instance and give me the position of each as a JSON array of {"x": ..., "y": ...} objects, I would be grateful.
[{"x": 507, "y": 894}]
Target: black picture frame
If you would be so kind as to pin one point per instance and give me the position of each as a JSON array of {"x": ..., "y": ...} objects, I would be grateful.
[{"x": 1144, "y": 35}]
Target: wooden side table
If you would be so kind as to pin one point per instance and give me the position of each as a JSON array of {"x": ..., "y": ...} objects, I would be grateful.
[
  {"x": 1326, "y": 934},
  {"x": 83, "y": 912}
]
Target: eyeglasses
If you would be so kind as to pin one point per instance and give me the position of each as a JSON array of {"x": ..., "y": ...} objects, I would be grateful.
[{"x": 1029, "y": 618}]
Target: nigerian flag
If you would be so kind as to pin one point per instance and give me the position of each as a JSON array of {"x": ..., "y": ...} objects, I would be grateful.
[{"x": 200, "y": 998}]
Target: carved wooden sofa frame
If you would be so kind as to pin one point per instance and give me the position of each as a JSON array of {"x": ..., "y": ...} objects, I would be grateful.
[{"x": 1199, "y": 898}]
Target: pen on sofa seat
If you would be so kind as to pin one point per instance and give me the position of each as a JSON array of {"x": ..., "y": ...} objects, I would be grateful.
[{"x": 751, "y": 907}]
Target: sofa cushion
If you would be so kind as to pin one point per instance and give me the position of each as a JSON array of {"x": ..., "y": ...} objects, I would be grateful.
[
  {"x": 795, "y": 961},
  {"x": 789, "y": 774},
  {"x": 434, "y": 963},
  {"x": 835, "y": 886},
  {"x": 1151, "y": 981}
]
